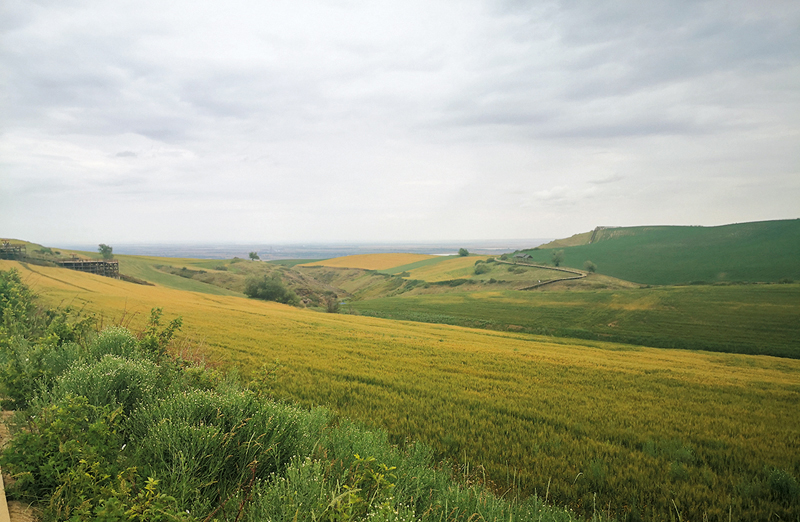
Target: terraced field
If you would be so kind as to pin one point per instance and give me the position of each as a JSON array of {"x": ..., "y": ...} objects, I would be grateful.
[{"x": 637, "y": 432}]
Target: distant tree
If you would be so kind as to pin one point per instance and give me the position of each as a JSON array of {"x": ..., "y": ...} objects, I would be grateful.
[
  {"x": 558, "y": 257},
  {"x": 105, "y": 251},
  {"x": 590, "y": 267},
  {"x": 463, "y": 252},
  {"x": 254, "y": 256}
]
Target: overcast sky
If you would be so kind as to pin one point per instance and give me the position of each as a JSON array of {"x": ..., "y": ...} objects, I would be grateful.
[{"x": 292, "y": 121}]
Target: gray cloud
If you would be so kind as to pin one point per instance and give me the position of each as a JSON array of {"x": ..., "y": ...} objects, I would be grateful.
[{"x": 360, "y": 121}]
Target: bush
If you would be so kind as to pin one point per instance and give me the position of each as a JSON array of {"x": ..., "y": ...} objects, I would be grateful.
[
  {"x": 269, "y": 289},
  {"x": 26, "y": 369},
  {"x": 589, "y": 266},
  {"x": 114, "y": 382},
  {"x": 61, "y": 435},
  {"x": 463, "y": 252},
  {"x": 204, "y": 445},
  {"x": 482, "y": 268},
  {"x": 114, "y": 340}
]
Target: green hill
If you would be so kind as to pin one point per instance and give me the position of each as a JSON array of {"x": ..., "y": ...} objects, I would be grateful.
[{"x": 765, "y": 251}]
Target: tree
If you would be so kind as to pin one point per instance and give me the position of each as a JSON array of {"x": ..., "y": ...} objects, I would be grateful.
[
  {"x": 558, "y": 257},
  {"x": 589, "y": 266},
  {"x": 463, "y": 252},
  {"x": 105, "y": 251},
  {"x": 254, "y": 256}
]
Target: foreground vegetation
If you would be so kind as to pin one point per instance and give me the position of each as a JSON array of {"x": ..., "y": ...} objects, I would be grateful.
[
  {"x": 748, "y": 319},
  {"x": 636, "y": 433},
  {"x": 116, "y": 428}
]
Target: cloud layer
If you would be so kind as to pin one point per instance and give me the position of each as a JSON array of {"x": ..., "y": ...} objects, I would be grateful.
[{"x": 328, "y": 121}]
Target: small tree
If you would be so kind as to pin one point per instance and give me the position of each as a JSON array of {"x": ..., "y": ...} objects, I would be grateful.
[
  {"x": 254, "y": 256},
  {"x": 105, "y": 251},
  {"x": 558, "y": 257},
  {"x": 589, "y": 266},
  {"x": 463, "y": 252}
]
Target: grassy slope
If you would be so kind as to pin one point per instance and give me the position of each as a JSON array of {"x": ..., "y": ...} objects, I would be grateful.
[
  {"x": 143, "y": 267},
  {"x": 762, "y": 251},
  {"x": 755, "y": 319},
  {"x": 640, "y": 427}
]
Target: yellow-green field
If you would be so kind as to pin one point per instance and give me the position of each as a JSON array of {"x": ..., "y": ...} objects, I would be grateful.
[
  {"x": 450, "y": 268},
  {"x": 646, "y": 430},
  {"x": 372, "y": 261}
]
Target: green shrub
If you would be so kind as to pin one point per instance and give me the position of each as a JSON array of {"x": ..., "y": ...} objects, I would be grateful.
[
  {"x": 269, "y": 289},
  {"x": 115, "y": 382},
  {"x": 155, "y": 339},
  {"x": 27, "y": 369},
  {"x": 115, "y": 340},
  {"x": 17, "y": 310},
  {"x": 482, "y": 269},
  {"x": 204, "y": 445},
  {"x": 60, "y": 436}
]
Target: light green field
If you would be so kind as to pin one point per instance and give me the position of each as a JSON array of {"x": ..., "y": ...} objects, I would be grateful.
[{"x": 644, "y": 429}]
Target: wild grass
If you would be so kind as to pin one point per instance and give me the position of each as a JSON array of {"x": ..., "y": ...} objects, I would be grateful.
[{"x": 598, "y": 426}]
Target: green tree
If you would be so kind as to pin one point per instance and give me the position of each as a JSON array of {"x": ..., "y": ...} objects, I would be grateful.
[
  {"x": 558, "y": 257},
  {"x": 463, "y": 252},
  {"x": 589, "y": 266},
  {"x": 254, "y": 256},
  {"x": 105, "y": 251}
]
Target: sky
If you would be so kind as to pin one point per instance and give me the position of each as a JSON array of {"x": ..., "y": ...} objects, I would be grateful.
[{"x": 303, "y": 121}]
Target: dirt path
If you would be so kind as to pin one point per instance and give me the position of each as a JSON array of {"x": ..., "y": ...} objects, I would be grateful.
[
  {"x": 12, "y": 511},
  {"x": 578, "y": 274}
]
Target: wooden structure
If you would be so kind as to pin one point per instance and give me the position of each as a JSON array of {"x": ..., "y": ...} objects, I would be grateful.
[
  {"x": 9, "y": 251},
  {"x": 108, "y": 268}
]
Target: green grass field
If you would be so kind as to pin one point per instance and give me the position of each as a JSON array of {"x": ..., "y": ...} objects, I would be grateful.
[
  {"x": 763, "y": 251},
  {"x": 752, "y": 319},
  {"x": 640, "y": 433}
]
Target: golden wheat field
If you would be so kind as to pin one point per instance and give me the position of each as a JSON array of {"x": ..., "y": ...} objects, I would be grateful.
[
  {"x": 632, "y": 430},
  {"x": 372, "y": 261}
]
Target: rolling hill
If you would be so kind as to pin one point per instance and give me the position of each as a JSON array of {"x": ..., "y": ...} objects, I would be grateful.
[{"x": 765, "y": 251}]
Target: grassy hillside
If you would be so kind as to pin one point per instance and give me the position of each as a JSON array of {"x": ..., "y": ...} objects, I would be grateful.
[
  {"x": 752, "y": 252},
  {"x": 753, "y": 319},
  {"x": 638, "y": 432}
]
